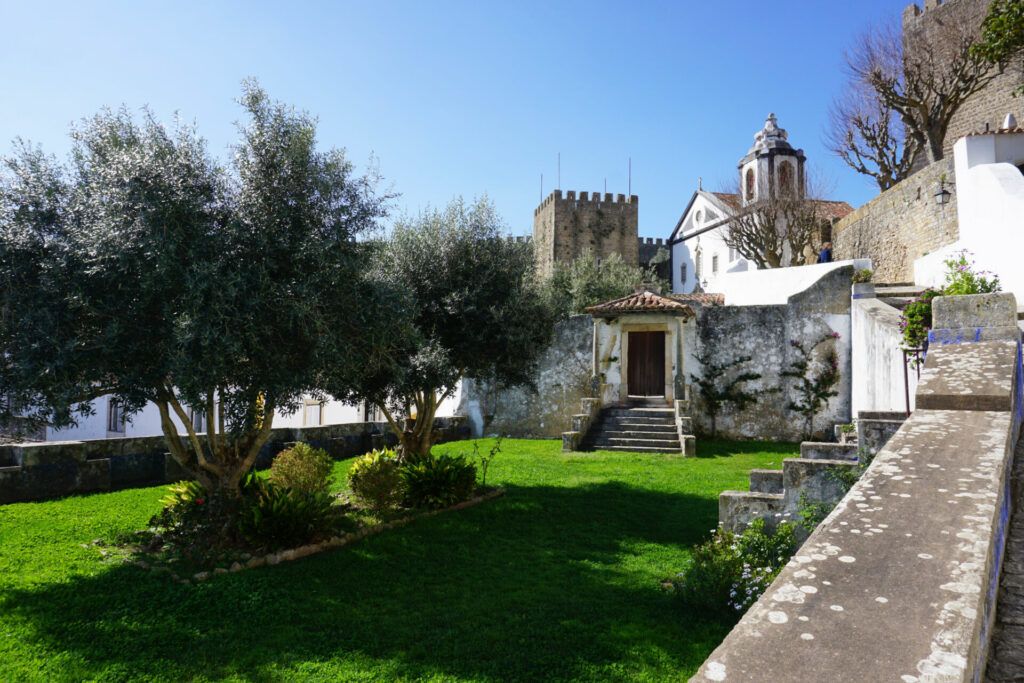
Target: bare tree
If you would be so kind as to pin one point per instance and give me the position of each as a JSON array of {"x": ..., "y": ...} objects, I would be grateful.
[
  {"x": 868, "y": 136},
  {"x": 779, "y": 230},
  {"x": 924, "y": 79}
]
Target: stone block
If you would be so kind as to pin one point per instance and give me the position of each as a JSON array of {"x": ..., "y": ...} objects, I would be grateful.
[
  {"x": 94, "y": 475},
  {"x": 571, "y": 441},
  {"x": 818, "y": 481},
  {"x": 817, "y": 450},
  {"x": 737, "y": 509},
  {"x": 136, "y": 469},
  {"x": 173, "y": 471},
  {"x": 977, "y": 376},
  {"x": 975, "y": 311},
  {"x": 50, "y": 453},
  {"x": 689, "y": 445},
  {"x": 766, "y": 481}
]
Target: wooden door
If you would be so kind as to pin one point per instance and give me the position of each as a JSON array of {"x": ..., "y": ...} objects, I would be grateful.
[{"x": 646, "y": 364}]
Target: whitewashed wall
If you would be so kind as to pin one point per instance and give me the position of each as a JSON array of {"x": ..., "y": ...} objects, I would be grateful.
[
  {"x": 990, "y": 208},
  {"x": 878, "y": 381},
  {"x": 776, "y": 285}
]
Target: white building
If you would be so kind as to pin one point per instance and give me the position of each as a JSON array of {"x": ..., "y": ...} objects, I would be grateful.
[
  {"x": 109, "y": 421},
  {"x": 770, "y": 168}
]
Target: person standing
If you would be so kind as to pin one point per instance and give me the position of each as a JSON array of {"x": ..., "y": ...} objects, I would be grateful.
[{"x": 825, "y": 255}]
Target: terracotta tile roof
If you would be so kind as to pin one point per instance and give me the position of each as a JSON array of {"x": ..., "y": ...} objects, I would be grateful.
[
  {"x": 701, "y": 298},
  {"x": 832, "y": 209},
  {"x": 645, "y": 301},
  {"x": 730, "y": 199}
]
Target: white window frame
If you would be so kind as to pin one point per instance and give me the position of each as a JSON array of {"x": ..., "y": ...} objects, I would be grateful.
[
  {"x": 116, "y": 422},
  {"x": 306, "y": 405},
  {"x": 714, "y": 264},
  {"x": 682, "y": 273}
]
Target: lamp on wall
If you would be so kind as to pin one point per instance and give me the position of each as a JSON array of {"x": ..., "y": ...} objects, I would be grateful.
[{"x": 942, "y": 195}]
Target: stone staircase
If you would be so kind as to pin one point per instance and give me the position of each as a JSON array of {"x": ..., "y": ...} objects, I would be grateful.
[
  {"x": 775, "y": 495},
  {"x": 639, "y": 427}
]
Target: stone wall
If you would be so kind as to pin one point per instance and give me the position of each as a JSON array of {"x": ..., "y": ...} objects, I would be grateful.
[
  {"x": 563, "y": 228},
  {"x": 546, "y": 410},
  {"x": 900, "y": 225},
  {"x": 931, "y": 25},
  {"x": 36, "y": 471},
  {"x": 764, "y": 333},
  {"x": 907, "y": 565}
]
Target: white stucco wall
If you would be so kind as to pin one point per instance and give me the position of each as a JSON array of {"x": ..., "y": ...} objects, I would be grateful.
[
  {"x": 702, "y": 213},
  {"x": 877, "y": 361},
  {"x": 990, "y": 208},
  {"x": 776, "y": 285}
]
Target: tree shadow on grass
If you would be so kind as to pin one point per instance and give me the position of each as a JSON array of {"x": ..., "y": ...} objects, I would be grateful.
[
  {"x": 721, "y": 448},
  {"x": 545, "y": 583}
]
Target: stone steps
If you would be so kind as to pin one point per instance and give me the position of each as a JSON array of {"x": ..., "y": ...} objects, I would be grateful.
[
  {"x": 639, "y": 428},
  {"x": 766, "y": 481}
]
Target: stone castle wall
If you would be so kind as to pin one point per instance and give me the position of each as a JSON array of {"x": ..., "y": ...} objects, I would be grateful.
[
  {"x": 931, "y": 25},
  {"x": 900, "y": 225},
  {"x": 564, "y": 227}
]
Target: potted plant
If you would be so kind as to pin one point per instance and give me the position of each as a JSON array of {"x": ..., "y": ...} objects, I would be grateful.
[{"x": 863, "y": 287}]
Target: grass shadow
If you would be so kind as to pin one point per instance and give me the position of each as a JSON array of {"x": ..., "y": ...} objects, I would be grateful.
[{"x": 548, "y": 582}]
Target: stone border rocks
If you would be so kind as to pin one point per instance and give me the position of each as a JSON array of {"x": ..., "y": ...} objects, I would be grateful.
[{"x": 299, "y": 552}]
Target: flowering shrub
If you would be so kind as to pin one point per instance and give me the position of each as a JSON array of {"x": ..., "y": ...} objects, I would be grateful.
[
  {"x": 961, "y": 279},
  {"x": 730, "y": 571}
]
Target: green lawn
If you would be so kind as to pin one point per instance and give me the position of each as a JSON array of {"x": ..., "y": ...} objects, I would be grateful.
[{"x": 557, "y": 580}]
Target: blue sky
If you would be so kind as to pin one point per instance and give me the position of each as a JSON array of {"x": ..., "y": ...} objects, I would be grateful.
[{"x": 461, "y": 97}]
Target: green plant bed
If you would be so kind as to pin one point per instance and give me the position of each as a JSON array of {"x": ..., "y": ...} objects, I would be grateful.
[{"x": 559, "y": 579}]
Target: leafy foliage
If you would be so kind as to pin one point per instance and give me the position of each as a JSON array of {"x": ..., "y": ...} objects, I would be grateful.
[
  {"x": 144, "y": 270},
  {"x": 475, "y": 311},
  {"x": 376, "y": 481},
  {"x": 303, "y": 468},
  {"x": 730, "y": 571},
  {"x": 722, "y": 383},
  {"x": 438, "y": 482},
  {"x": 816, "y": 378},
  {"x": 961, "y": 278},
  {"x": 1002, "y": 34},
  {"x": 585, "y": 282},
  {"x": 862, "y": 275},
  {"x": 277, "y": 516}
]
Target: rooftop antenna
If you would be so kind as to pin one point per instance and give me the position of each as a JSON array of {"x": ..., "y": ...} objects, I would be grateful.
[
  {"x": 630, "y": 190},
  {"x": 606, "y": 186},
  {"x": 559, "y": 171},
  {"x": 542, "y": 187}
]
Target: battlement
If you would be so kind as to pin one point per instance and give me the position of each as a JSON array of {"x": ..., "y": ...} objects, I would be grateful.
[
  {"x": 912, "y": 11},
  {"x": 586, "y": 197},
  {"x": 519, "y": 238},
  {"x": 653, "y": 241}
]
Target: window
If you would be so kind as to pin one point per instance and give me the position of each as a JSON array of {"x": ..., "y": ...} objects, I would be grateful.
[
  {"x": 697, "y": 263},
  {"x": 786, "y": 179},
  {"x": 714, "y": 264},
  {"x": 749, "y": 185},
  {"x": 198, "y": 419},
  {"x": 682, "y": 273},
  {"x": 732, "y": 254},
  {"x": 115, "y": 417},
  {"x": 312, "y": 414},
  {"x": 698, "y": 218}
]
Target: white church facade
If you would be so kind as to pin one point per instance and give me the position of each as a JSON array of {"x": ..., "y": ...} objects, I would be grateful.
[{"x": 771, "y": 168}]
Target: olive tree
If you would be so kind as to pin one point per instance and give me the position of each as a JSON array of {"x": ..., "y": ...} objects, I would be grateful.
[
  {"x": 143, "y": 270},
  {"x": 477, "y": 312}
]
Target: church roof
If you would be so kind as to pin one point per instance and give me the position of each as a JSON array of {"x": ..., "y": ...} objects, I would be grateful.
[{"x": 644, "y": 300}]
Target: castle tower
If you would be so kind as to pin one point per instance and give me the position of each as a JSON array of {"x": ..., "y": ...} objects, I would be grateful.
[
  {"x": 772, "y": 168},
  {"x": 563, "y": 228}
]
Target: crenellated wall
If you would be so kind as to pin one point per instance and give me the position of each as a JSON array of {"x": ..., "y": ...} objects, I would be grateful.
[{"x": 564, "y": 227}]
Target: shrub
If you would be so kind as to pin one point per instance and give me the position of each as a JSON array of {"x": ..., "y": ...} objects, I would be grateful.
[
  {"x": 185, "y": 503},
  {"x": 730, "y": 571},
  {"x": 302, "y": 468},
  {"x": 961, "y": 279},
  {"x": 278, "y": 516},
  {"x": 438, "y": 482},
  {"x": 862, "y": 275},
  {"x": 376, "y": 481}
]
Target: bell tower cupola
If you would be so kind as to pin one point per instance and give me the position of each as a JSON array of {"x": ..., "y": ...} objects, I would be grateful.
[{"x": 772, "y": 167}]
